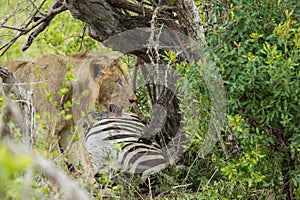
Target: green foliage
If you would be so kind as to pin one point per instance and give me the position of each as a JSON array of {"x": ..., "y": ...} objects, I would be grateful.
[
  {"x": 11, "y": 166},
  {"x": 243, "y": 171},
  {"x": 246, "y": 169},
  {"x": 259, "y": 60},
  {"x": 142, "y": 101},
  {"x": 195, "y": 103}
]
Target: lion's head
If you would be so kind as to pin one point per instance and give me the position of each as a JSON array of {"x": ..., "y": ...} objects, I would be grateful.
[{"x": 103, "y": 81}]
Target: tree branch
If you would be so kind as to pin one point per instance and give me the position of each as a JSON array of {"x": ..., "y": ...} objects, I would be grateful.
[
  {"x": 137, "y": 8},
  {"x": 103, "y": 18},
  {"x": 108, "y": 18},
  {"x": 43, "y": 21},
  {"x": 55, "y": 9}
]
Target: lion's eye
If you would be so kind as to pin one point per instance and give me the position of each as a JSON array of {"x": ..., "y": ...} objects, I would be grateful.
[{"x": 119, "y": 81}]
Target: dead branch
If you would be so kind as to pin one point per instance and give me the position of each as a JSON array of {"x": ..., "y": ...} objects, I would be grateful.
[
  {"x": 37, "y": 9},
  {"x": 25, "y": 97},
  {"x": 35, "y": 13},
  {"x": 12, "y": 28},
  {"x": 136, "y": 8},
  {"x": 110, "y": 17},
  {"x": 123, "y": 16}
]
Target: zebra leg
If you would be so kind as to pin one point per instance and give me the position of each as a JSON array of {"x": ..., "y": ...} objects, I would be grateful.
[{"x": 158, "y": 120}]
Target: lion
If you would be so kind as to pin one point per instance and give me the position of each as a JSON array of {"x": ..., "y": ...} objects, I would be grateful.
[{"x": 65, "y": 88}]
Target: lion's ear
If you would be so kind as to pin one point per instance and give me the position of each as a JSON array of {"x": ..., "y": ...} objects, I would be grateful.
[{"x": 96, "y": 69}]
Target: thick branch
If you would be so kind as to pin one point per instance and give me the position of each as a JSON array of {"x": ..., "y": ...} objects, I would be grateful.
[
  {"x": 104, "y": 20},
  {"x": 137, "y": 8}
]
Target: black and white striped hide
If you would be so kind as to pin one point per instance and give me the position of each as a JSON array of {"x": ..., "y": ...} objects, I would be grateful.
[{"x": 113, "y": 144}]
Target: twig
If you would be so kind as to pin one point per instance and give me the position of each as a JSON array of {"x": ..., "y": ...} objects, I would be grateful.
[
  {"x": 82, "y": 36},
  {"x": 175, "y": 187},
  {"x": 126, "y": 182},
  {"x": 37, "y": 9},
  {"x": 45, "y": 20},
  {"x": 34, "y": 14},
  {"x": 181, "y": 186},
  {"x": 12, "y": 28},
  {"x": 211, "y": 177},
  {"x": 26, "y": 83},
  {"x": 7, "y": 17},
  {"x": 153, "y": 47},
  {"x": 207, "y": 181}
]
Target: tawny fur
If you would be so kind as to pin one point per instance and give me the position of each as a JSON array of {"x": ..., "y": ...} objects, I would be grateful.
[{"x": 100, "y": 80}]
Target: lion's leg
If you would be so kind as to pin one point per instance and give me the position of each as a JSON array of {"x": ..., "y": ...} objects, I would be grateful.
[{"x": 72, "y": 143}]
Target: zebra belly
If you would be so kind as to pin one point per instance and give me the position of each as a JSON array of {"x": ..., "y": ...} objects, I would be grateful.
[{"x": 112, "y": 143}]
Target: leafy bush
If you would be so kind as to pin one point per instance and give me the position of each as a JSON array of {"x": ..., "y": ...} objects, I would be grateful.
[{"x": 259, "y": 60}]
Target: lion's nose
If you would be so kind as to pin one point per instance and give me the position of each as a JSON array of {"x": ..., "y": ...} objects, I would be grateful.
[{"x": 131, "y": 101}]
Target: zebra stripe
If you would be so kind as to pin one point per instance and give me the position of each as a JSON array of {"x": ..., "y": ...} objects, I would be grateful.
[{"x": 113, "y": 143}]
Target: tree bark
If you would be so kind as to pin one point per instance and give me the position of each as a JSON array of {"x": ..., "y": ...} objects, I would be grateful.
[{"x": 103, "y": 19}]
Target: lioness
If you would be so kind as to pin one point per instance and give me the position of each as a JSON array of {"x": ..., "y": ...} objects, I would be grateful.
[{"x": 65, "y": 86}]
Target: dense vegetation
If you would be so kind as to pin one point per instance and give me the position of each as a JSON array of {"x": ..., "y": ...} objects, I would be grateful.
[{"x": 258, "y": 155}]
